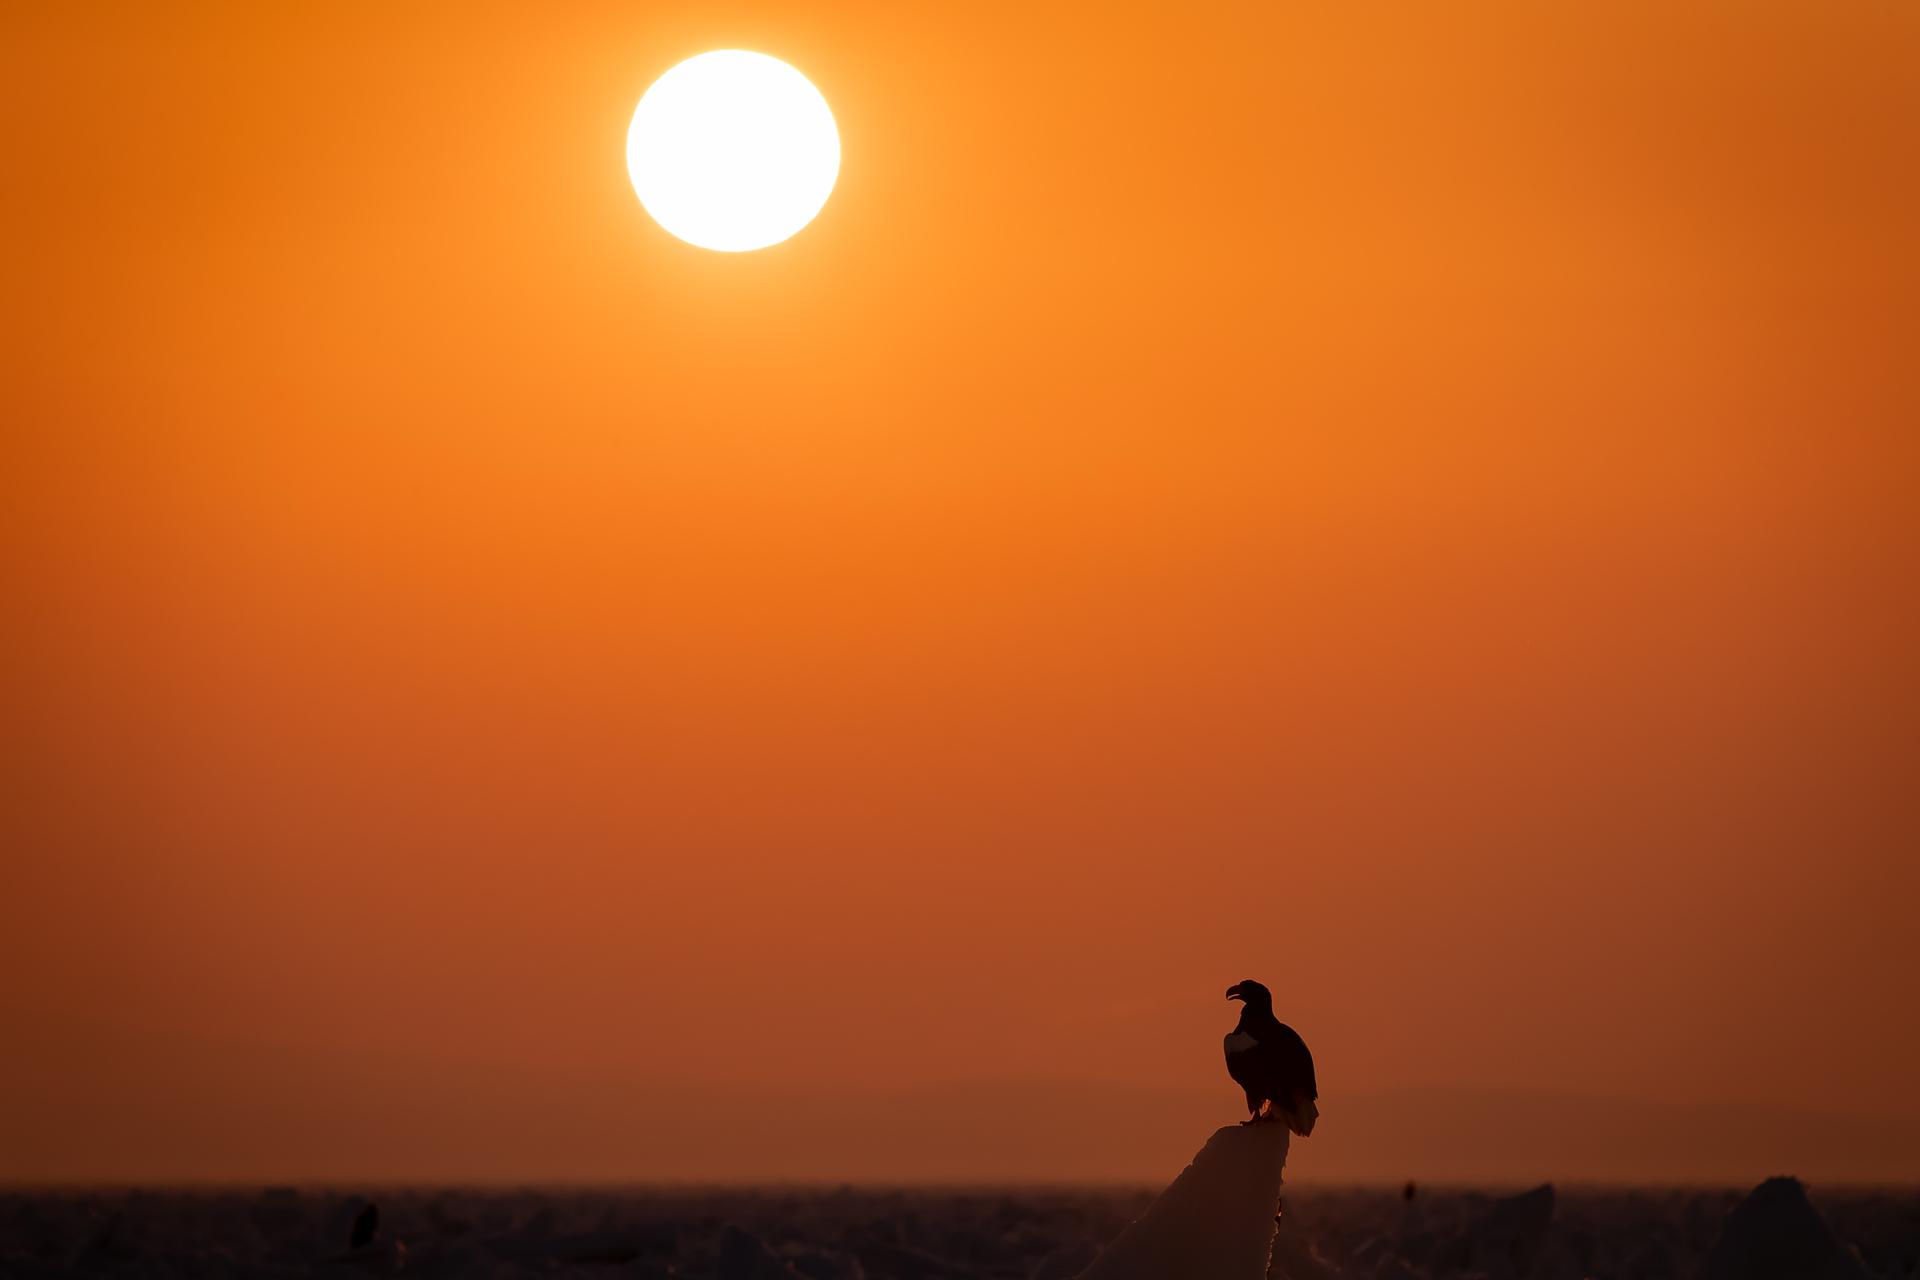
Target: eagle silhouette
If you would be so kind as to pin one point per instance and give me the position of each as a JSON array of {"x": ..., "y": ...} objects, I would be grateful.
[{"x": 1269, "y": 1060}]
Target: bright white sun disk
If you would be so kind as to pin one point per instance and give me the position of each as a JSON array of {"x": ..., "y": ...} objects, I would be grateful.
[{"x": 733, "y": 150}]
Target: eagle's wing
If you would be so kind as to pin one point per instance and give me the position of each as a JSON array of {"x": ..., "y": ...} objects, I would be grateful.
[
  {"x": 1292, "y": 1067},
  {"x": 1294, "y": 1063}
]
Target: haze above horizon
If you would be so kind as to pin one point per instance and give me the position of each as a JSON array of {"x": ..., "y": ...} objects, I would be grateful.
[{"x": 1416, "y": 505}]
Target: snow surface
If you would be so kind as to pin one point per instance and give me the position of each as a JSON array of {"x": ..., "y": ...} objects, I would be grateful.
[{"x": 635, "y": 1233}]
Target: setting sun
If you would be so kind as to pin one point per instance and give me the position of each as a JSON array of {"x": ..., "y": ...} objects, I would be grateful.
[{"x": 733, "y": 151}]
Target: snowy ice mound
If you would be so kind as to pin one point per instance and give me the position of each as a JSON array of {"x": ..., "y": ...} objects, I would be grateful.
[{"x": 1217, "y": 1220}]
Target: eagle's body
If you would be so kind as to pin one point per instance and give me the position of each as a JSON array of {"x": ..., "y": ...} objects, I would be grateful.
[{"x": 1269, "y": 1060}]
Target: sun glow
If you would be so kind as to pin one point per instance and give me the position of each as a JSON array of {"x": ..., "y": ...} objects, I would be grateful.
[{"x": 733, "y": 150}]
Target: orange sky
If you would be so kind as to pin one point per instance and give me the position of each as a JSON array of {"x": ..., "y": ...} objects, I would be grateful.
[{"x": 1412, "y": 503}]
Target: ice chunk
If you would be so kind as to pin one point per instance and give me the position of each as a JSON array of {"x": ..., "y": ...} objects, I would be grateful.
[
  {"x": 745, "y": 1256},
  {"x": 1508, "y": 1241},
  {"x": 1777, "y": 1234},
  {"x": 1217, "y": 1220},
  {"x": 1065, "y": 1262}
]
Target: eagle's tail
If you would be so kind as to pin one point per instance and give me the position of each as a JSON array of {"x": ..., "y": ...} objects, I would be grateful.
[{"x": 1301, "y": 1116}]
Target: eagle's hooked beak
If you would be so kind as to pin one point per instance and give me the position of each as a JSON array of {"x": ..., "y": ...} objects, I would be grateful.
[{"x": 1233, "y": 992}]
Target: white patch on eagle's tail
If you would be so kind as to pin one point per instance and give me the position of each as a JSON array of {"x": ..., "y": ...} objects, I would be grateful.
[{"x": 1302, "y": 1115}]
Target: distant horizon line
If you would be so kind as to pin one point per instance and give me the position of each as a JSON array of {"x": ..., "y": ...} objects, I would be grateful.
[{"x": 215, "y": 1186}]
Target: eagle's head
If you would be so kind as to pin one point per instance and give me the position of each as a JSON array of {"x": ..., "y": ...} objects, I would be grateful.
[{"x": 1252, "y": 994}]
